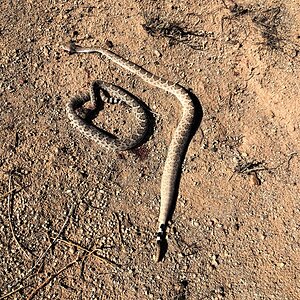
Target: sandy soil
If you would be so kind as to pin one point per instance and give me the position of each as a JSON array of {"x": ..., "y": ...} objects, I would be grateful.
[{"x": 78, "y": 222}]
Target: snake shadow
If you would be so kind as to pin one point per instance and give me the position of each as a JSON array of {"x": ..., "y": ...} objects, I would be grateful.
[{"x": 196, "y": 124}]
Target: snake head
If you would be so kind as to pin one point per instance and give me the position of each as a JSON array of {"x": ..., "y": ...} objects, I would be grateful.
[{"x": 71, "y": 47}]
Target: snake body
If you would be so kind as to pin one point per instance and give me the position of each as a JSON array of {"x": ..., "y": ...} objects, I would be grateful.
[
  {"x": 116, "y": 96},
  {"x": 177, "y": 145}
]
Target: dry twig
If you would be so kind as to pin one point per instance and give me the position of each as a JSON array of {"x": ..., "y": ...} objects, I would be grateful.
[
  {"x": 91, "y": 252},
  {"x": 10, "y": 192},
  {"x": 51, "y": 277},
  {"x": 119, "y": 228},
  {"x": 13, "y": 292},
  {"x": 9, "y": 210}
]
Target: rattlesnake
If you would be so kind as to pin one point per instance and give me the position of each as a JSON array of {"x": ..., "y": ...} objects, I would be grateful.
[{"x": 178, "y": 143}]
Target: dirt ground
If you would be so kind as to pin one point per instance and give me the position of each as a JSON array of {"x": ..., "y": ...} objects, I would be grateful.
[{"x": 79, "y": 222}]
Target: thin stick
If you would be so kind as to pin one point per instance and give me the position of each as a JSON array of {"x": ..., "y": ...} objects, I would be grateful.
[
  {"x": 13, "y": 292},
  {"x": 91, "y": 252},
  {"x": 10, "y": 192},
  {"x": 50, "y": 278},
  {"x": 119, "y": 228},
  {"x": 57, "y": 236},
  {"x": 9, "y": 210},
  {"x": 290, "y": 158}
]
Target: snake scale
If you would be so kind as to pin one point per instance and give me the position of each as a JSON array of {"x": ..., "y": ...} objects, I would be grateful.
[{"x": 177, "y": 145}]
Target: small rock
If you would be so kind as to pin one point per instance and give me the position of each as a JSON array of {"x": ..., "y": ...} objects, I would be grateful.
[
  {"x": 72, "y": 250},
  {"x": 157, "y": 53},
  {"x": 254, "y": 180},
  {"x": 46, "y": 51},
  {"x": 280, "y": 265},
  {"x": 214, "y": 261}
]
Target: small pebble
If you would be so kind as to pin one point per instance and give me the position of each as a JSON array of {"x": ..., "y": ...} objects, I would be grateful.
[
  {"x": 157, "y": 53},
  {"x": 254, "y": 180},
  {"x": 280, "y": 265}
]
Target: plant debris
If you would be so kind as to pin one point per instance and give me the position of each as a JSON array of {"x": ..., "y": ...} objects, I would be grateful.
[
  {"x": 268, "y": 22},
  {"x": 176, "y": 33}
]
